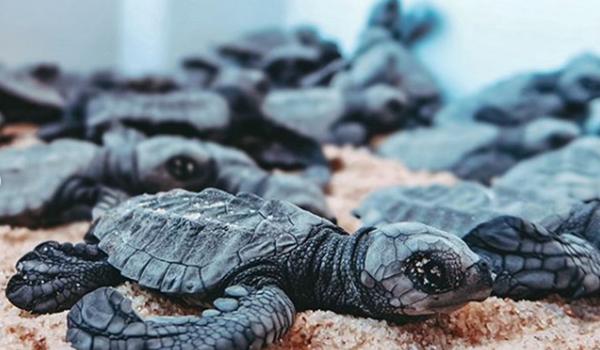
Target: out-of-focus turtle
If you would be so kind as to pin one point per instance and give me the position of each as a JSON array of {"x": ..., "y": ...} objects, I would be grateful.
[
  {"x": 337, "y": 116},
  {"x": 207, "y": 115},
  {"x": 568, "y": 173},
  {"x": 524, "y": 97},
  {"x": 536, "y": 245},
  {"x": 264, "y": 260},
  {"x": 477, "y": 151},
  {"x": 62, "y": 181},
  {"x": 23, "y": 99},
  {"x": 388, "y": 62},
  {"x": 513, "y": 101},
  {"x": 579, "y": 81},
  {"x": 408, "y": 27}
]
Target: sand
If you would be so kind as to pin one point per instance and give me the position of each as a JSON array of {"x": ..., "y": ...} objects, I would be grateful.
[{"x": 492, "y": 324}]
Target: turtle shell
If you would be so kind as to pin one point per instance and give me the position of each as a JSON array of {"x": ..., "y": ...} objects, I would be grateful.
[
  {"x": 186, "y": 243},
  {"x": 568, "y": 174},
  {"x": 31, "y": 177},
  {"x": 456, "y": 209},
  {"x": 437, "y": 148},
  {"x": 512, "y": 101},
  {"x": 177, "y": 112},
  {"x": 311, "y": 112},
  {"x": 24, "y": 99}
]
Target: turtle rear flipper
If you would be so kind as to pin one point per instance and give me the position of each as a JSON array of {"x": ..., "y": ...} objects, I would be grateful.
[
  {"x": 245, "y": 318},
  {"x": 54, "y": 276},
  {"x": 531, "y": 262}
]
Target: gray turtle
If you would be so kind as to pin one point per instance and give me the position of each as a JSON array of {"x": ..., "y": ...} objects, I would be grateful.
[
  {"x": 535, "y": 245},
  {"x": 208, "y": 115},
  {"x": 263, "y": 259},
  {"x": 477, "y": 151},
  {"x": 287, "y": 65},
  {"x": 564, "y": 93},
  {"x": 62, "y": 181},
  {"x": 388, "y": 62},
  {"x": 334, "y": 115},
  {"x": 568, "y": 173},
  {"x": 407, "y": 28},
  {"x": 579, "y": 82},
  {"x": 23, "y": 99}
]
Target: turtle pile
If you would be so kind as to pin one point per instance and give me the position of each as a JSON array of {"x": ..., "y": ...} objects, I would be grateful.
[{"x": 209, "y": 186}]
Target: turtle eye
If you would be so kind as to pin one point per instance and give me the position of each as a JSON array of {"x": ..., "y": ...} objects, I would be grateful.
[
  {"x": 434, "y": 272},
  {"x": 590, "y": 84},
  {"x": 183, "y": 168}
]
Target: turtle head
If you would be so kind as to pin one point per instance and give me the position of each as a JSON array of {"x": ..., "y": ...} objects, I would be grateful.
[
  {"x": 580, "y": 81},
  {"x": 412, "y": 269},
  {"x": 167, "y": 162},
  {"x": 384, "y": 107}
]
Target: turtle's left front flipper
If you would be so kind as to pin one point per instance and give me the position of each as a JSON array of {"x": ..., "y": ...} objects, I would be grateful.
[
  {"x": 531, "y": 262},
  {"x": 245, "y": 318},
  {"x": 54, "y": 276}
]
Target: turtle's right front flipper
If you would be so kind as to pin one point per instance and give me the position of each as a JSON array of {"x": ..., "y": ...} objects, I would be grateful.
[
  {"x": 532, "y": 262},
  {"x": 55, "y": 276},
  {"x": 245, "y": 318}
]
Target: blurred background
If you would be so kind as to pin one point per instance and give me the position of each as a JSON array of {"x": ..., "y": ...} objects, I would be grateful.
[{"x": 478, "y": 43}]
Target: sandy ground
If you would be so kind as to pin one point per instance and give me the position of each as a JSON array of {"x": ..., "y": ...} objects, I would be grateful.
[{"x": 493, "y": 324}]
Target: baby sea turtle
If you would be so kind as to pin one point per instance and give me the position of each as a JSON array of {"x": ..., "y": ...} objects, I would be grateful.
[
  {"x": 524, "y": 97},
  {"x": 337, "y": 116},
  {"x": 22, "y": 99},
  {"x": 207, "y": 115},
  {"x": 264, "y": 260},
  {"x": 536, "y": 245},
  {"x": 408, "y": 27},
  {"x": 388, "y": 62},
  {"x": 570, "y": 173},
  {"x": 477, "y": 151},
  {"x": 62, "y": 181}
]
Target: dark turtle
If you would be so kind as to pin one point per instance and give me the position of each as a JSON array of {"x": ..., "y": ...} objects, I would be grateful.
[
  {"x": 524, "y": 97},
  {"x": 325, "y": 114},
  {"x": 477, "y": 151},
  {"x": 262, "y": 259},
  {"x": 62, "y": 181},
  {"x": 568, "y": 173},
  {"x": 579, "y": 82},
  {"x": 513, "y": 101},
  {"x": 517, "y": 233},
  {"x": 287, "y": 65},
  {"x": 388, "y": 62},
  {"x": 23, "y": 99},
  {"x": 208, "y": 115},
  {"x": 407, "y": 28}
]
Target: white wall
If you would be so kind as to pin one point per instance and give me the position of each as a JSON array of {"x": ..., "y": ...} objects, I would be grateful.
[
  {"x": 78, "y": 34},
  {"x": 485, "y": 40},
  {"x": 481, "y": 41}
]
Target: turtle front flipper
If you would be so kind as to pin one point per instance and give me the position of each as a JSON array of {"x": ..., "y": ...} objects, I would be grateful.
[
  {"x": 532, "y": 262},
  {"x": 55, "y": 276},
  {"x": 245, "y": 318}
]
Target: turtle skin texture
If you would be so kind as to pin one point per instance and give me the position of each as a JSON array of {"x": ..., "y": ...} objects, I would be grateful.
[
  {"x": 536, "y": 245},
  {"x": 257, "y": 261}
]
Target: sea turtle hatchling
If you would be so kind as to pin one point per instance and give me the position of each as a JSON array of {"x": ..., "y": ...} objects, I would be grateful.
[
  {"x": 61, "y": 181},
  {"x": 262, "y": 259},
  {"x": 210, "y": 116},
  {"x": 536, "y": 245},
  {"x": 334, "y": 115},
  {"x": 477, "y": 151}
]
